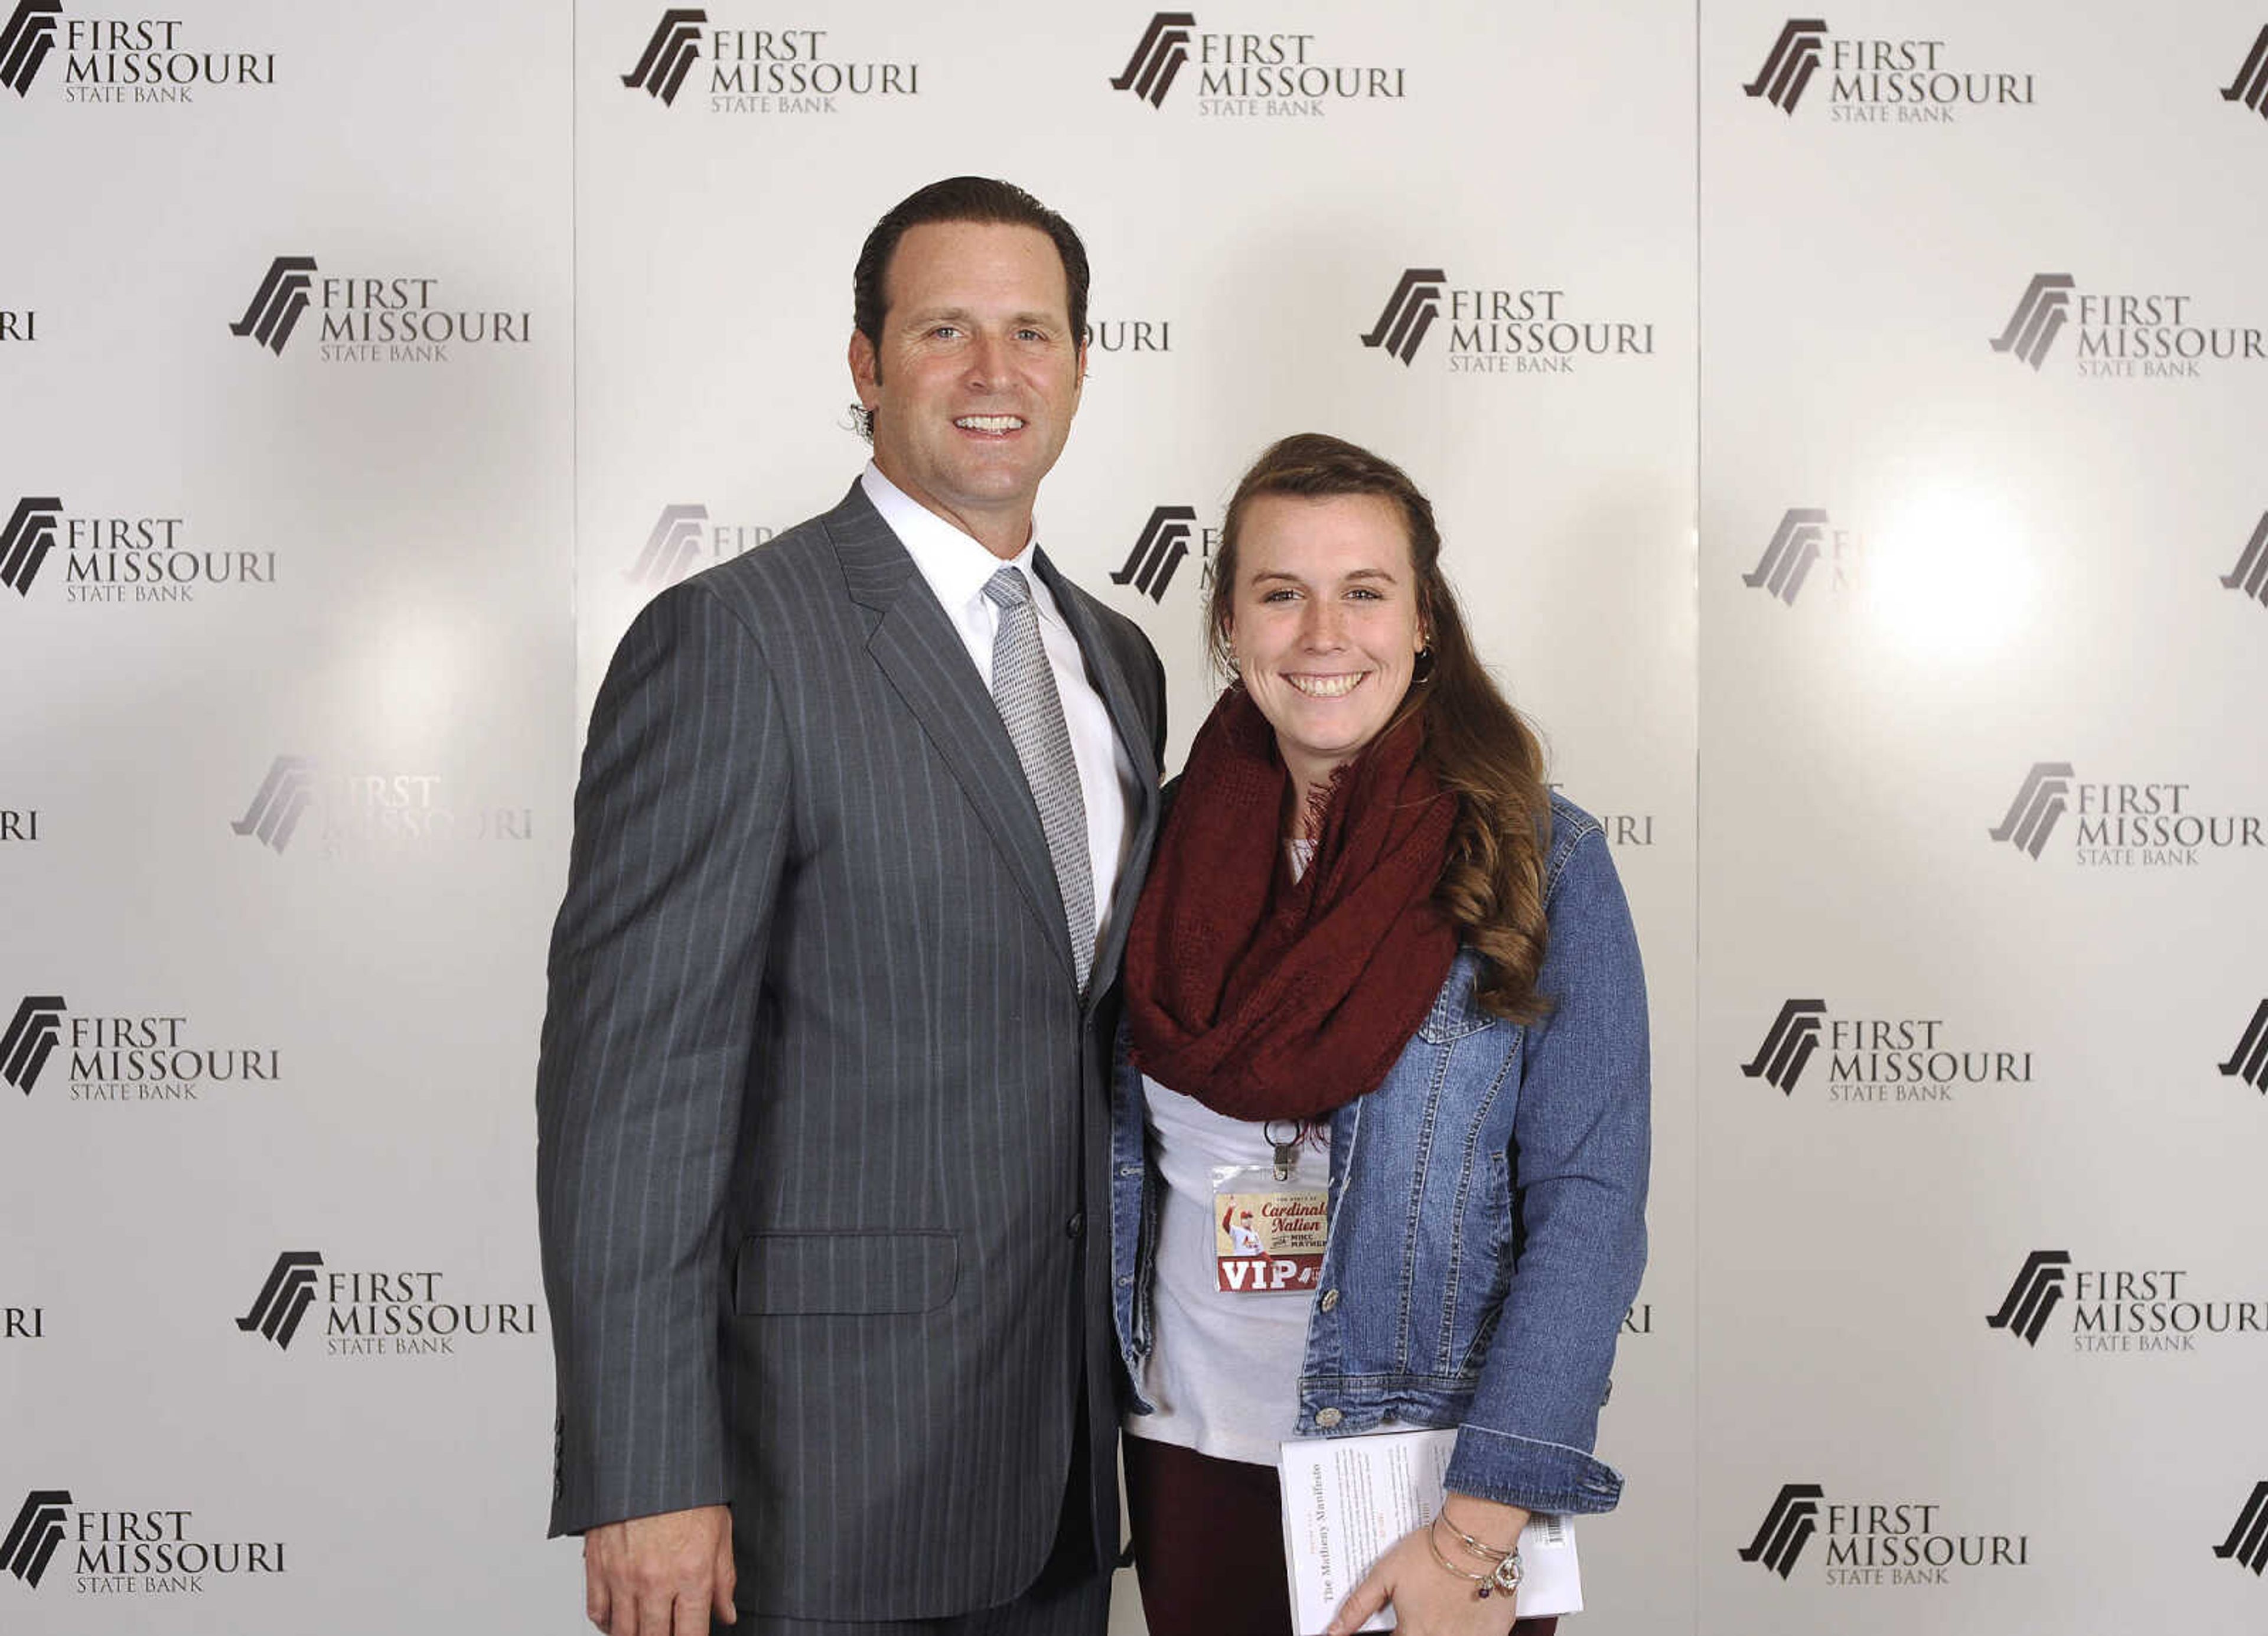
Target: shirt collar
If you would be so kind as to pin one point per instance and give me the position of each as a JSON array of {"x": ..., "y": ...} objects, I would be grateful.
[{"x": 955, "y": 563}]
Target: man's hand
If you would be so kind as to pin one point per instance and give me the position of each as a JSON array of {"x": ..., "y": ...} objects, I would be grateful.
[{"x": 660, "y": 1575}]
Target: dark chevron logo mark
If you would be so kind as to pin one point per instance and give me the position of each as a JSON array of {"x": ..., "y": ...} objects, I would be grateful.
[
  {"x": 669, "y": 56},
  {"x": 1787, "y": 560},
  {"x": 2033, "y": 1296},
  {"x": 2032, "y": 815},
  {"x": 1787, "y": 1528},
  {"x": 2250, "y": 87},
  {"x": 283, "y": 795},
  {"x": 34, "y": 1534},
  {"x": 2248, "y": 1062},
  {"x": 2248, "y": 1542},
  {"x": 276, "y": 305},
  {"x": 1150, "y": 71},
  {"x": 1165, "y": 542},
  {"x": 1410, "y": 312},
  {"x": 1795, "y": 59},
  {"x": 27, "y": 41},
  {"x": 674, "y": 543},
  {"x": 30, "y": 536},
  {"x": 31, "y": 1039},
  {"x": 1794, "y": 1035},
  {"x": 284, "y": 1299},
  {"x": 2250, "y": 576},
  {"x": 2042, "y": 313}
]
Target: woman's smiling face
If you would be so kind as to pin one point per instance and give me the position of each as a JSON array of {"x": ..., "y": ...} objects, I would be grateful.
[{"x": 1325, "y": 622}]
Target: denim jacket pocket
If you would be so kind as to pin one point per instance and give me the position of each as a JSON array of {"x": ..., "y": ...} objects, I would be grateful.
[{"x": 1483, "y": 1286}]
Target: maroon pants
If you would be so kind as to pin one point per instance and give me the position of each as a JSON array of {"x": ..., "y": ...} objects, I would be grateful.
[{"x": 1209, "y": 1544}]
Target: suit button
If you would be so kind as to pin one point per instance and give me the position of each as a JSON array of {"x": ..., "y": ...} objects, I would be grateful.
[
  {"x": 1077, "y": 1224},
  {"x": 1330, "y": 1299},
  {"x": 1328, "y": 1417}
]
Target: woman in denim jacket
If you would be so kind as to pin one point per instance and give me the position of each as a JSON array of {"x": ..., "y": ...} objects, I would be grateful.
[{"x": 1384, "y": 1008}]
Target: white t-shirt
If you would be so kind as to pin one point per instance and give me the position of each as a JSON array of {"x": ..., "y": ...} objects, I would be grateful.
[{"x": 1223, "y": 1372}]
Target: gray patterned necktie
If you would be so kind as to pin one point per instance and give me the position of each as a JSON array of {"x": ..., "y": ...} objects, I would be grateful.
[{"x": 1024, "y": 688}]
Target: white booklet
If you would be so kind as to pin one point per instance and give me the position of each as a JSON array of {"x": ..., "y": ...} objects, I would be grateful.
[{"x": 1346, "y": 1499}]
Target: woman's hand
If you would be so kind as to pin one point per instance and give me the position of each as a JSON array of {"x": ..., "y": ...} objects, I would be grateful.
[{"x": 1428, "y": 1599}]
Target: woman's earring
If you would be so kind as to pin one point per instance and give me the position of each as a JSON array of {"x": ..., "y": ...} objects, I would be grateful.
[{"x": 1421, "y": 668}]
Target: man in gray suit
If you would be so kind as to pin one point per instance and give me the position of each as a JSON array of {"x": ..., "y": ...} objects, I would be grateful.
[{"x": 823, "y": 1161}]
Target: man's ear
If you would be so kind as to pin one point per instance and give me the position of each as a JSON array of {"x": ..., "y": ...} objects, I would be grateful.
[{"x": 865, "y": 368}]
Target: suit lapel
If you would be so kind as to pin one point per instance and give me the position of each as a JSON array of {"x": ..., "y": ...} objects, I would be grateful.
[
  {"x": 925, "y": 661},
  {"x": 1118, "y": 696}
]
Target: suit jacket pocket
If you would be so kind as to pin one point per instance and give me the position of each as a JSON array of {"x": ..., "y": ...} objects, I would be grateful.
[{"x": 845, "y": 1274}]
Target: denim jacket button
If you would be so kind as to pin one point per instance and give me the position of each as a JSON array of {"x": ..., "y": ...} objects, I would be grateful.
[
  {"x": 1330, "y": 1299},
  {"x": 1328, "y": 1417}
]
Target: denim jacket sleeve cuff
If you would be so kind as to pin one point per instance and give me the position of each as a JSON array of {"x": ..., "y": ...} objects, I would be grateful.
[{"x": 1533, "y": 1475}]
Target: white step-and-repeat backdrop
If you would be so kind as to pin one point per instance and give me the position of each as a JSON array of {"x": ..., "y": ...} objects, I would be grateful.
[{"x": 1847, "y": 432}]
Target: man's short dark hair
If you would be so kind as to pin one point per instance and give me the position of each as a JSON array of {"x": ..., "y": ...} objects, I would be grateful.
[{"x": 961, "y": 199}]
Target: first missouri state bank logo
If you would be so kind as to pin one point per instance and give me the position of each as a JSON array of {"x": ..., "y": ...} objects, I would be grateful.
[
  {"x": 2250, "y": 577},
  {"x": 112, "y": 1054},
  {"x": 2250, "y": 86},
  {"x": 1875, "y": 1541},
  {"x": 2247, "y": 1544},
  {"x": 1250, "y": 75},
  {"x": 277, "y": 305},
  {"x": 147, "y": 1553},
  {"x": 364, "y": 810},
  {"x": 2142, "y": 335},
  {"x": 2040, "y": 315},
  {"x": 683, "y": 539},
  {"x": 2041, "y": 801},
  {"x": 1788, "y": 1046},
  {"x": 1795, "y": 59},
  {"x": 1879, "y": 1058},
  {"x": 1879, "y": 81},
  {"x": 670, "y": 54},
  {"x": 1788, "y": 1526},
  {"x": 119, "y": 60},
  {"x": 283, "y": 1300},
  {"x": 391, "y": 1313},
  {"x": 25, "y": 44},
  {"x": 2248, "y": 1062},
  {"x": 2032, "y": 1299},
  {"x": 2151, "y": 1307},
  {"x": 388, "y": 319},
  {"x": 116, "y": 560},
  {"x": 36, "y": 1532},
  {"x": 769, "y": 71},
  {"x": 1805, "y": 538},
  {"x": 29, "y": 536},
  {"x": 1499, "y": 331},
  {"x": 1410, "y": 312},
  {"x": 2155, "y": 823},
  {"x": 33, "y": 1033},
  {"x": 1158, "y": 57},
  {"x": 1159, "y": 549}
]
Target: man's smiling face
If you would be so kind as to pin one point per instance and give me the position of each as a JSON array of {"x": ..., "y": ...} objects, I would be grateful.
[{"x": 977, "y": 375}]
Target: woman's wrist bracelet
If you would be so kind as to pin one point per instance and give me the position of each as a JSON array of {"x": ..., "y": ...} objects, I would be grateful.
[
  {"x": 1503, "y": 1579},
  {"x": 1474, "y": 1547}
]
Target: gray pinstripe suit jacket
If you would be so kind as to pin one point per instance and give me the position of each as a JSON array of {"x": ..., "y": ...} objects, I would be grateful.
[{"x": 819, "y": 1106}]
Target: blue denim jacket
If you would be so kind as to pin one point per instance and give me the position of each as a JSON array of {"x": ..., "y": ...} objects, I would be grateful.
[{"x": 1488, "y": 1213}]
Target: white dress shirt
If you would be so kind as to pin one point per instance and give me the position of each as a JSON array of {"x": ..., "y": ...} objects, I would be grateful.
[{"x": 957, "y": 568}]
